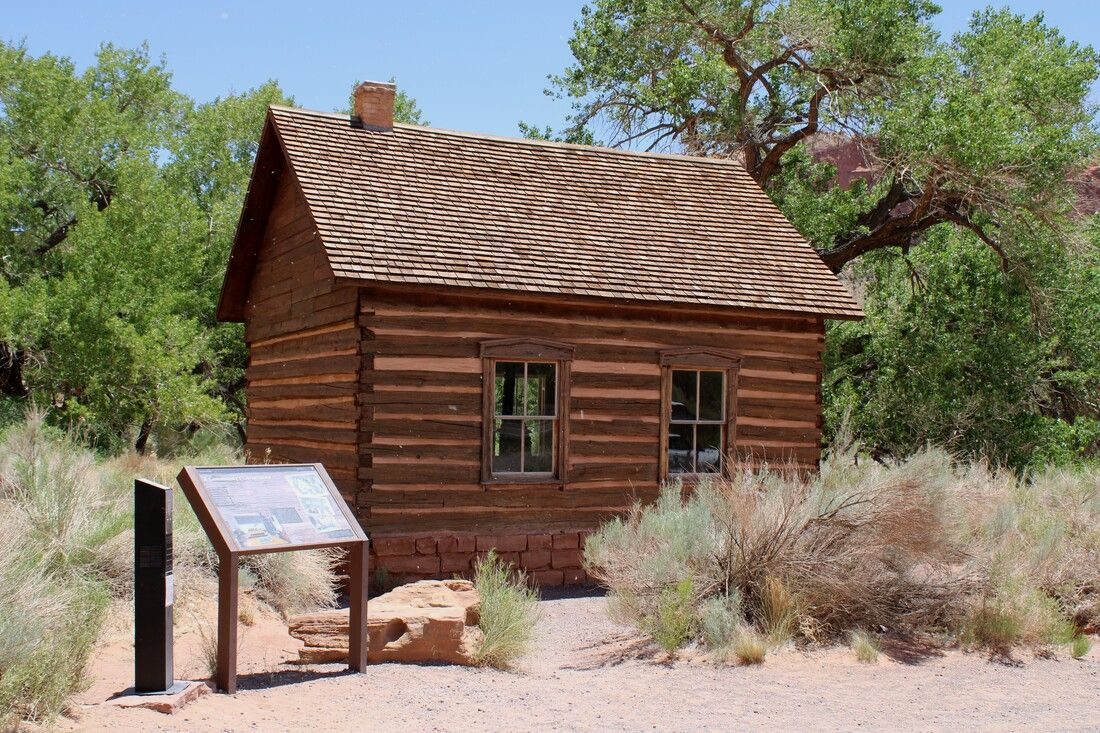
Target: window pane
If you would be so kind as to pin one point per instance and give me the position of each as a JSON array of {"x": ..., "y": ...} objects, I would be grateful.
[
  {"x": 538, "y": 446},
  {"x": 709, "y": 442},
  {"x": 540, "y": 389},
  {"x": 508, "y": 388},
  {"x": 683, "y": 395},
  {"x": 680, "y": 439},
  {"x": 711, "y": 396},
  {"x": 506, "y": 445}
]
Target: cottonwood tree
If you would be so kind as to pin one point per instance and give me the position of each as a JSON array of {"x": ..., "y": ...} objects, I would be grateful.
[
  {"x": 119, "y": 200},
  {"x": 976, "y": 131}
]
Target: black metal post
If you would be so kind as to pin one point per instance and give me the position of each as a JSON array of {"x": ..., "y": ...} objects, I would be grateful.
[{"x": 154, "y": 588}]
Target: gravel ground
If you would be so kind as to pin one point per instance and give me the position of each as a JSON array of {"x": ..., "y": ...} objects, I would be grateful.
[{"x": 588, "y": 674}]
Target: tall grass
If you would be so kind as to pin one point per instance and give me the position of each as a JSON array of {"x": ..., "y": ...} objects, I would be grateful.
[
  {"x": 509, "y": 611},
  {"x": 927, "y": 546},
  {"x": 66, "y": 554}
]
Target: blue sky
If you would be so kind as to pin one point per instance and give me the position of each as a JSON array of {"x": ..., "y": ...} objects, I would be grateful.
[{"x": 472, "y": 65}]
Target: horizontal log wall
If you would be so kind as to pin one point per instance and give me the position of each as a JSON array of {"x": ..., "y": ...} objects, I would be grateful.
[
  {"x": 421, "y": 377},
  {"x": 302, "y": 377}
]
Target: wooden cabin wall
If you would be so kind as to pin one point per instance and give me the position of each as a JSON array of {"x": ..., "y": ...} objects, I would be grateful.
[
  {"x": 302, "y": 374},
  {"x": 421, "y": 407}
]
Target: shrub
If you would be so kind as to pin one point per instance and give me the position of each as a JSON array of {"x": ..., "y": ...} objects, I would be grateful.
[
  {"x": 923, "y": 546},
  {"x": 509, "y": 611},
  {"x": 864, "y": 646},
  {"x": 720, "y": 619},
  {"x": 673, "y": 619},
  {"x": 1080, "y": 646}
]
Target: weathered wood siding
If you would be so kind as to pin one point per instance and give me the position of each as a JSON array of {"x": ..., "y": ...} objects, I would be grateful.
[
  {"x": 421, "y": 378},
  {"x": 303, "y": 349}
]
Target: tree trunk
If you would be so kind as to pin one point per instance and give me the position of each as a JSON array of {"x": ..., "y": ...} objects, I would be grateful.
[
  {"x": 143, "y": 436},
  {"x": 11, "y": 371}
]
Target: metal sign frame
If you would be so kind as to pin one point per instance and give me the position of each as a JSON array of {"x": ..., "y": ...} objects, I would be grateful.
[{"x": 230, "y": 552}]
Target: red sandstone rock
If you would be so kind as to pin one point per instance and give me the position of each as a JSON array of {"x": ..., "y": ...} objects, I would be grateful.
[
  {"x": 566, "y": 541},
  {"x": 425, "y": 564},
  {"x": 575, "y": 576},
  {"x": 537, "y": 560},
  {"x": 502, "y": 543},
  {"x": 546, "y": 577},
  {"x": 429, "y": 621},
  {"x": 393, "y": 546},
  {"x": 538, "y": 542},
  {"x": 455, "y": 562},
  {"x": 426, "y": 545},
  {"x": 566, "y": 559}
]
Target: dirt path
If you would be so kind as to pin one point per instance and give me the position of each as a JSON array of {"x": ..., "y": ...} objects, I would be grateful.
[{"x": 587, "y": 674}]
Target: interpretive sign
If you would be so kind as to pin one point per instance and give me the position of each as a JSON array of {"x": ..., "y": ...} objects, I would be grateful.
[
  {"x": 274, "y": 508},
  {"x": 268, "y": 508}
]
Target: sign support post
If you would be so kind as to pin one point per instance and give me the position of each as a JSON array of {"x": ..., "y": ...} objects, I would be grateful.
[
  {"x": 247, "y": 510},
  {"x": 228, "y": 579},
  {"x": 357, "y": 607}
]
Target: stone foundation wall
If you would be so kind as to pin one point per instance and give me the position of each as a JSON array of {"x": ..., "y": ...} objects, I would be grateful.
[{"x": 550, "y": 558}]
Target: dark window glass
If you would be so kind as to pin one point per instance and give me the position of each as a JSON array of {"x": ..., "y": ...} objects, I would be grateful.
[
  {"x": 708, "y": 443},
  {"x": 509, "y": 388},
  {"x": 684, "y": 394},
  {"x": 539, "y": 446},
  {"x": 506, "y": 445},
  {"x": 712, "y": 396},
  {"x": 680, "y": 441},
  {"x": 696, "y": 431},
  {"x": 540, "y": 389},
  {"x": 525, "y": 410}
]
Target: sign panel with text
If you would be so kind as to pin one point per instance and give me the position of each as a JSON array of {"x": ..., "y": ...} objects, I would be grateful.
[{"x": 269, "y": 508}]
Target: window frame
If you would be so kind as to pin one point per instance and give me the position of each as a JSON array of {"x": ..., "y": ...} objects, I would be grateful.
[
  {"x": 699, "y": 359},
  {"x": 526, "y": 350}
]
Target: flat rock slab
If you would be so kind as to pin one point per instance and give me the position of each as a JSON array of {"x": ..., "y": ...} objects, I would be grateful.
[
  {"x": 426, "y": 621},
  {"x": 163, "y": 703}
]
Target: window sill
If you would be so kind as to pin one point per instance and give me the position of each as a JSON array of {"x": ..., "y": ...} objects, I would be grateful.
[
  {"x": 521, "y": 480},
  {"x": 692, "y": 479}
]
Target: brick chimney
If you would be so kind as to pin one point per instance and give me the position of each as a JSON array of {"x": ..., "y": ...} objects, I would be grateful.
[{"x": 374, "y": 104}]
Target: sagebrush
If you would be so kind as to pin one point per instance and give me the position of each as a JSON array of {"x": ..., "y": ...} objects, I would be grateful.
[{"x": 928, "y": 546}]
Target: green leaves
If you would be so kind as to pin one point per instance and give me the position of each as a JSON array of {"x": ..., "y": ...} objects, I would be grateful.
[
  {"x": 121, "y": 198},
  {"x": 954, "y": 353},
  {"x": 976, "y": 131}
]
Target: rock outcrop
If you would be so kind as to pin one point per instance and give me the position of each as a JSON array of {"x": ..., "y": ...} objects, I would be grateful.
[{"x": 427, "y": 621}]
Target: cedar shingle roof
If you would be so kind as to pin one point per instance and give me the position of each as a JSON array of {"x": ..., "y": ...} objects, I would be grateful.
[{"x": 429, "y": 206}]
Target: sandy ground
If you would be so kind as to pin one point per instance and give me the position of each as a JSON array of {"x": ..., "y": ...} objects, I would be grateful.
[{"x": 588, "y": 674}]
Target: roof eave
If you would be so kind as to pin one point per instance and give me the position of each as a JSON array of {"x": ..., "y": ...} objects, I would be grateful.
[
  {"x": 270, "y": 163},
  {"x": 839, "y": 313}
]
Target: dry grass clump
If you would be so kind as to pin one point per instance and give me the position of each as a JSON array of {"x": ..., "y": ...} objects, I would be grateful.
[
  {"x": 294, "y": 582},
  {"x": 864, "y": 646},
  {"x": 66, "y": 555},
  {"x": 50, "y": 605},
  {"x": 924, "y": 546},
  {"x": 509, "y": 611}
]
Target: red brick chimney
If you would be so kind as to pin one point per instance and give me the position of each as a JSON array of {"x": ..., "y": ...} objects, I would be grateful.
[{"x": 374, "y": 104}]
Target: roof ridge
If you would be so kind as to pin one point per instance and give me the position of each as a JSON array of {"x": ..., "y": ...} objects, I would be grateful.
[{"x": 523, "y": 141}]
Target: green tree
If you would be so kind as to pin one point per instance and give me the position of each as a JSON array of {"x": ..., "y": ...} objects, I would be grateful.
[
  {"x": 984, "y": 337},
  {"x": 976, "y": 131},
  {"x": 120, "y": 198}
]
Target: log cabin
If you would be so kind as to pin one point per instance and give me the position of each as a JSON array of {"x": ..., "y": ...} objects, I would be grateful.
[{"x": 499, "y": 343}]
